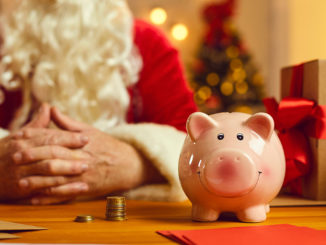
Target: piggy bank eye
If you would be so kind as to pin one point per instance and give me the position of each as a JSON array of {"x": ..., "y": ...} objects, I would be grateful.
[
  {"x": 240, "y": 136},
  {"x": 220, "y": 136}
]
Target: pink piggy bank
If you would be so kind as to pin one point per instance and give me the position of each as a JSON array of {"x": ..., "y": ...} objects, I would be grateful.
[{"x": 231, "y": 162}]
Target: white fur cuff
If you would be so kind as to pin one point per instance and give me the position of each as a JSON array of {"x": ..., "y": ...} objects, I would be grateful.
[{"x": 161, "y": 145}]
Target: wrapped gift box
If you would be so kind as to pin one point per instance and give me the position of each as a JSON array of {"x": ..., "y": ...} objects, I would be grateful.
[{"x": 313, "y": 88}]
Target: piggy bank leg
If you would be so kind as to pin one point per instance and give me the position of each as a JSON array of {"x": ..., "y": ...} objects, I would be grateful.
[
  {"x": 200, "y": 213},
  {"x": 253, "y": 214}
]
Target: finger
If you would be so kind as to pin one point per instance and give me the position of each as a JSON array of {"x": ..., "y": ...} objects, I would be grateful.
[
  {"x": 33, "y": 183},
  {"x": 47, "y": 152},
  {"x": 54, "y": 167},
  {"x": 44, "y": 136},
  {"x": 46, "y": 200},
  {"x": 66, "y": 122},
  {"x": 42, "y": 118},
  {"x": 68, "y": 190}
]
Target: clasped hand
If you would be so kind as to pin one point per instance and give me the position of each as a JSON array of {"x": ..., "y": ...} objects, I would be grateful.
[{"x": 42, "y": 165}]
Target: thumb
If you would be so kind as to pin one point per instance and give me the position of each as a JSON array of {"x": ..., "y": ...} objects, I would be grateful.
[
  {"x": 42, "y": 118},
  {"x": 65, "y": 122}
]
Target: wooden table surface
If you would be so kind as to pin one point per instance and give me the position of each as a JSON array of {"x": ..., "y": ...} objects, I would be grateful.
[{"x": 144, "y": 218}]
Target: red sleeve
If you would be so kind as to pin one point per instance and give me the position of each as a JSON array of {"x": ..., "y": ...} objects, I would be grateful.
[{"x": 162, "y": 88}]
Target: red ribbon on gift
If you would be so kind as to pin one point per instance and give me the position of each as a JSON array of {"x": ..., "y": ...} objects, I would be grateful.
[{"x": 296, "y": 119}]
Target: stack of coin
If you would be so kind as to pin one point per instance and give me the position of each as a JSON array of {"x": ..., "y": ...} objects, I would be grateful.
[
  {"x": 84, "y": 218},
  {"x": 115, "y": 208}
]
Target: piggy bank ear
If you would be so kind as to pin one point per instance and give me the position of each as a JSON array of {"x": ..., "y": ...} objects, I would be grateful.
[
  {"x": 262, "y": 124},
  {"x": 197, "y": 123}
]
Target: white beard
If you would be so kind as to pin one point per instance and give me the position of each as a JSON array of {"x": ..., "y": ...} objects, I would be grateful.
[{"x": 77, "y": 55}]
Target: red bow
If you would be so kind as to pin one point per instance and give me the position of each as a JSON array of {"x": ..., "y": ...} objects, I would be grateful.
[{"x": 295, "y": 119}]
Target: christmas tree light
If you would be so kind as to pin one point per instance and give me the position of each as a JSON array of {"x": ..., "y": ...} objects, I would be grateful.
[{"x": 224, "y": 75}]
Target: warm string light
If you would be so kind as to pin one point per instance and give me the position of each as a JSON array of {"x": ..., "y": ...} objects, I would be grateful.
[
  {"x": 232, "y": 52},
  {"x": 205, "y": 92},
  {"x": 227, "y": 88},
  {"x": 179, "y": 32},
  {"x": 212, "y": 79},
  {"x": 158, "y": 16},
  {"x": 225, "y": 77},
  {"x": 235, "y": 82},
  {"x": 198, "y": 99},
  {"x": 243, "y": 109},
  {"x": 235, "y": 64},
  {"x": 241, "y": 87},
  {"x": 239, "y": 75}
]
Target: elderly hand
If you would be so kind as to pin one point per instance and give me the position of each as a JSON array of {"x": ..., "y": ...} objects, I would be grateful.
[
  {"x": 113, "y": 165},
  {"x": 12, "y": 183}
]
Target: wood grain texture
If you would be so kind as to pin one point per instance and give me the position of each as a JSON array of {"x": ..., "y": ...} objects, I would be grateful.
[{"x": 144, "y": 219}]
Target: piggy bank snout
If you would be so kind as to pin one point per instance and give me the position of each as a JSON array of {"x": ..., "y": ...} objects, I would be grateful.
[{"x": 230, "y": 173}]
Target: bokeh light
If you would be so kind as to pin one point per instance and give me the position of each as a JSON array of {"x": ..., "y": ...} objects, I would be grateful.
[
  {"x": 244, "y": 109},
  {"x": 241, "y": 87},
  {"x": 232, "y": 52},
  {"x": 212, "y": 79},
  {"x": 236, "y": 64},
  {"x": 239, "y": 75},
  {"x": 179, "y": 32},
  {"x": 198, "y": 99},
  {"x": 158, "y": 16},
  {"x": 204, "y": 92},
  {"x": 226, "y": 88}
]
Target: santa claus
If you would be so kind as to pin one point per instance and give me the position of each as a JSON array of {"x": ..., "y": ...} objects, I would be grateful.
[{"x": 95, "y": 103}]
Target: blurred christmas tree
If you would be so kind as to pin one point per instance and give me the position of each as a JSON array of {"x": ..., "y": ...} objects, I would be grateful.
[{"x": 224, "y": 77}]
